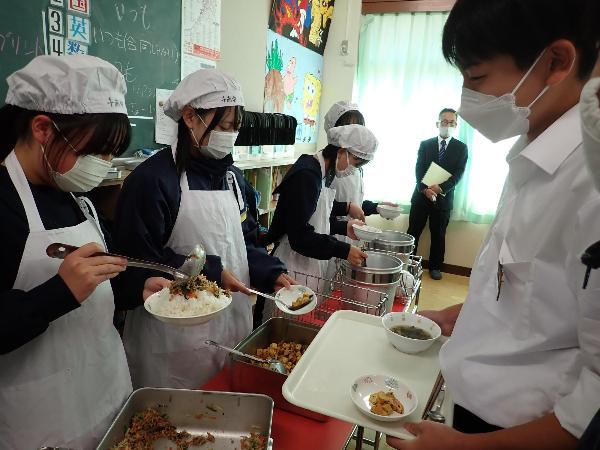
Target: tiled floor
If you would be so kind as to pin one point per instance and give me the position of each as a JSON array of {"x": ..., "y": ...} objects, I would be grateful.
[{"x": 450, "y": 290}]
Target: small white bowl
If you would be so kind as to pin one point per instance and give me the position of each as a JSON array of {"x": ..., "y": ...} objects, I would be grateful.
[
  {"x": 366, "y": 233},
  {"x": 366, "y": 385},
  {"x": 389, "y": 212},
  {"x": 287, "y": 297},
  {"x": 408, "y": 345},
  {"x": 187, "y": 321}
]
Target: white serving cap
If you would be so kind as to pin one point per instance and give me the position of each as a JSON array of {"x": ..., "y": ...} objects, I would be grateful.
[
  {"x": 336, "y": 111},
  {"x": 76, "y": 84},
  {"x": 357, "y": 139},
  {"x": 206, "y": 89}
]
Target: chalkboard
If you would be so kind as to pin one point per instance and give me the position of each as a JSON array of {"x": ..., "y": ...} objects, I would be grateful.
[{"x": 142, "y": 38}]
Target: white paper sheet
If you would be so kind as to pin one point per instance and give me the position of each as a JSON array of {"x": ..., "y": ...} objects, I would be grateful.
[
  {"x": 435, "y": 175},
  {"x": 191, "y": 63},
  {"x": 201, "y": 28},
  {"x": 165, "y": 128}
]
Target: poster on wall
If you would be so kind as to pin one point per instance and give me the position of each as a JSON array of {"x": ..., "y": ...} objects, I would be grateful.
[
  {"x": 200, "y": 35},
  {"x": 303, "y": 21},
  {"x": 293, "y": 84}
]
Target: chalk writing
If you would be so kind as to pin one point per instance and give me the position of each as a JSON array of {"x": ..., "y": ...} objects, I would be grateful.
[{"x": 127, "y": 13}]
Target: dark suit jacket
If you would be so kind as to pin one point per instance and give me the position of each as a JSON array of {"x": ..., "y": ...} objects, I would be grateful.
[{"x": 454, "y": 162}]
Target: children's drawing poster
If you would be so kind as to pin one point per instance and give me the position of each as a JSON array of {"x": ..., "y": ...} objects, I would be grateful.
[
  {"x": 303, "y": 21},
  {"x": 293, "y": 84}
]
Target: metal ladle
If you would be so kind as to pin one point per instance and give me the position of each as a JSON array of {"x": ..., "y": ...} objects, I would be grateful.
[
  {"x": 274, "y": 364},
  {"x": 435, "y": 415},
  {"x": 193, "y": 265},
  {"x": 194, "y": 261}
]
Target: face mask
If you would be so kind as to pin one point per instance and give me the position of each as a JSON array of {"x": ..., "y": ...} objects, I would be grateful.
[
  {"x": 220, "y": 143},
  {"x": 348, "y": 171},
  {"x": 87, "y": 173},
  {"x": 590, "y": 124},
  {"x": 446, "y": 132},
  {"x": 498, "y": 118}
]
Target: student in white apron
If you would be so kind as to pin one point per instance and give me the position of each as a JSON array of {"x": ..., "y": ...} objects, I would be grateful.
[
  {"x": 306, "y": 215},
  {"x": 63, "y": 372},
  {"x": 350, "y": 189},
  {"x": 192, "y": 194},
  {"x": 523, "y": 361}
]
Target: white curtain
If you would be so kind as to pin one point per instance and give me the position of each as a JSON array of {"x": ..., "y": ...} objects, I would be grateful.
[{"x": 403, "y": 82}]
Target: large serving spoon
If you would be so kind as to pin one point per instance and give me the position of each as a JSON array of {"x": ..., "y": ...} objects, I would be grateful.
[
  {"x": 196, "y": 258},
  {"x": 274, "y": 364}
]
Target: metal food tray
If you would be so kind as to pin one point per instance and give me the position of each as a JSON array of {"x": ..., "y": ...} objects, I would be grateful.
[
  {"x": 193, "y": 411},
  {"x": 249, "y": 377}
]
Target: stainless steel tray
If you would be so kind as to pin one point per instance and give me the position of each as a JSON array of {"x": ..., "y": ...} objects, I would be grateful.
[
  {"x": 237, "y": 415},
  {"x": 247, "y": 377}
]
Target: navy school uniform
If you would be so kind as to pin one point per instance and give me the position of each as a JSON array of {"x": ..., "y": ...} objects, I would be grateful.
[
  {"x": 298, "y": 196},
  {"x": 143, "y": 223},
  {"x": 26, "y": 315}
]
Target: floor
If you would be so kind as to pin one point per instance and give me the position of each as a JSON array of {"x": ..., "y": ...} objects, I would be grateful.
[{"x": 450, "y": 290}]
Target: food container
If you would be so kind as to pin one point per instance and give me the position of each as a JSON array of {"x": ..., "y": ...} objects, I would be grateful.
[
  {"x": 399, "y": 244},
  {"x": 194, "y": 411},
  {"x": 405, "y": 344},
  {"x": 381, "y": 272},
  {"x": 248, "y": 377}
]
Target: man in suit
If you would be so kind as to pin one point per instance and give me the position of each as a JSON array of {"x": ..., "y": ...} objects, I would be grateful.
[{"x": 435, "y": 202}]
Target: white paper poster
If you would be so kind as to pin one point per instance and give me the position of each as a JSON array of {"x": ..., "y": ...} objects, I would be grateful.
[
  {"x": 190, "y": 63},
  {"x": 165, "y": 128},
  {"x": 201, "y": 28}
]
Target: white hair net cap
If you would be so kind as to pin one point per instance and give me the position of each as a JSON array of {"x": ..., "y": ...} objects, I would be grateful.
[
  {"x": 357, "y": 139},
  {"x": 76, "y": 84},
  {"x": 336, "y": 111},
  {"x": 206, "y": 89}
]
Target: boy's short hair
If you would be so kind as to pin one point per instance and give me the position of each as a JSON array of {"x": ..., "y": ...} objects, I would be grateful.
[
  {"x": 446, "y": 110},
  {"x": 479, "y": 30}
]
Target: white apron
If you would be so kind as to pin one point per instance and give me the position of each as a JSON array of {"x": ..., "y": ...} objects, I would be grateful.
[
  {"x": 64, "y": 387},
  {"x": 294, "y": 261},
  {"x": 347, "y": 189},
  {"x": 164, "y": 355}
]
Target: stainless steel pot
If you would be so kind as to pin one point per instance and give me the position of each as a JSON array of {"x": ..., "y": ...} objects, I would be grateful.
[
  {"x": 382, "y": 272},
  {"x": 399, "y": 244}
]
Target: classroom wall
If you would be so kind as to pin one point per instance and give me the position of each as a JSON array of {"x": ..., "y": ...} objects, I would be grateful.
[{"x": 243, "y": 50}]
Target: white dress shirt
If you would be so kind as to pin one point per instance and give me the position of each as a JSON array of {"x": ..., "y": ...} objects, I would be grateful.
[{"x": 536, "y": 349}]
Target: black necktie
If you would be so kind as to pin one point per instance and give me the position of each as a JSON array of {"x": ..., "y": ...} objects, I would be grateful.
[{"x": 442, "y": 150}]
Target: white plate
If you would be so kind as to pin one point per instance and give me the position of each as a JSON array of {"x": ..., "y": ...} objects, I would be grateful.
[
  {"x": 366, "y": 233},
  {"x": 369, "y": 384},
  {"x": 389, "y": 212},
  {"x": 287, "y": 296},
  {"x": 182, "y": 321}
]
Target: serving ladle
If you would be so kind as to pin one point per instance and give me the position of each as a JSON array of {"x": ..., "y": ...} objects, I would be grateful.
[
  {"x": 193, "y": 265},
  {"x": 274, "y": 364}
]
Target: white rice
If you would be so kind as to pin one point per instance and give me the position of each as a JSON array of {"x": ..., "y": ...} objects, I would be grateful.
[{"x": 167, "y": 305}]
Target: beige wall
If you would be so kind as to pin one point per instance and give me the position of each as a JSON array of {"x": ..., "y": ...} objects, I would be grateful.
[{"x": 243, "y": 50}]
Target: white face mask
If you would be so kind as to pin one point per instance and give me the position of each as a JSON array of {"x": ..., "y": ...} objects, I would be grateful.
[
  {"x": 348, "y": 171},
  {"x": 87, "y": 173},
  {"x": 446, "y": 132},
  {"x": 220, "y": 143},
  {"x": 498, "y": 118},
  {"x": 590, "y": 124}
]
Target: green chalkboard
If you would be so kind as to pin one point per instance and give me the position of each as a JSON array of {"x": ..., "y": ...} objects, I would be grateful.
[{"x": 142, "y": 38}]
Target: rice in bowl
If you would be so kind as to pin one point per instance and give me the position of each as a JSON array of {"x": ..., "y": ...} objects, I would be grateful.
[{"x": 190, "y": 298}]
